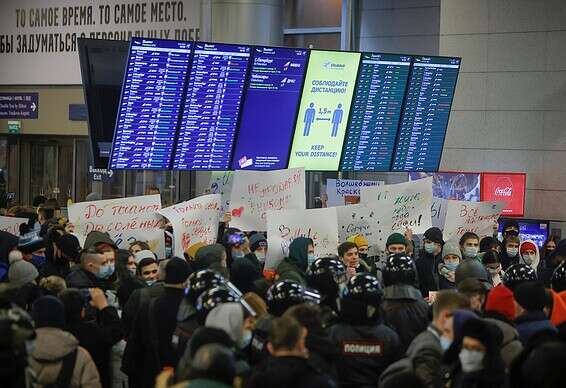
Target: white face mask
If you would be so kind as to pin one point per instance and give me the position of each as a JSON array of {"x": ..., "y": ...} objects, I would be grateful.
[
  {"x": 445, "y": 343},
  {"x": 471, "y": 360},
  {"x": 512, "y": 252},
  {"x": 260, "y": 256},
  {"x": 529, "y": 259},
  {"x": 470, "y": 252},
  {"x": 494, "y": 271},
  {"x": 246, "y": 339}
]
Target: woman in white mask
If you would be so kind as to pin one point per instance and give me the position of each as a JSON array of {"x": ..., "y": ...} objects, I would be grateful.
[
  {"x": 529, "y": 254},
  {"x": 479, "y": 361}
]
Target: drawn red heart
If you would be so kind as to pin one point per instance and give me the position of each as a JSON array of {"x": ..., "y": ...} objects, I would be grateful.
[{"x": 237, "y": 212}]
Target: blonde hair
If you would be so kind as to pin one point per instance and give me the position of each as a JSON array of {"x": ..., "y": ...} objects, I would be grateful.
[{"x": 53, "y": 284}]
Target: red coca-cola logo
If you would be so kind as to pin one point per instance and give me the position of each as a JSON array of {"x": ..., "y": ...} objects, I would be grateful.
[{"x": 503, "y": 187}]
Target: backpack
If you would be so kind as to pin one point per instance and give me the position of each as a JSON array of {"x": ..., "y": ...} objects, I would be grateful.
[{"x": 66, "y": 372}]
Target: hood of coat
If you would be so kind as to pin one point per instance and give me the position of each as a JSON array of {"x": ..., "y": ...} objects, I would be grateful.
[
  {"x": 534, "y": 264},
  {"x": 52, "y": 344}
]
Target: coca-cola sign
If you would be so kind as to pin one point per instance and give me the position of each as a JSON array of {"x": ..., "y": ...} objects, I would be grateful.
[{"x": 506, "y": 187}]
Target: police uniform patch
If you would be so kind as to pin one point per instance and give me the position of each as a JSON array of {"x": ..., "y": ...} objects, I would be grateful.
[{"x": 362, "y": 348}]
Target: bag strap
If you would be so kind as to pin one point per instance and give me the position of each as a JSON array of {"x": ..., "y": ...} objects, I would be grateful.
[{"x": 66, "y": 372}]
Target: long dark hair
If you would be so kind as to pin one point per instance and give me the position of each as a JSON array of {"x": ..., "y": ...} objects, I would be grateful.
[{"x": 122, "y": 271}]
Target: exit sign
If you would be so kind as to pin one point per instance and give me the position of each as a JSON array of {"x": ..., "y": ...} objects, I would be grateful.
[{"x": 14, "y": 126}]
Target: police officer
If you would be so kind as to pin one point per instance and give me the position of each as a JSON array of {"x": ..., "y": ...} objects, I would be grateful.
[
  {"x": 367, "y": 346},
  {"x": 404, "y": 308},
  {"x": 328, "y": 276},
  {"x": 517, "y": 274},
  {"x": 187, "y": 317},
  {"x": 558, "y": 280}
]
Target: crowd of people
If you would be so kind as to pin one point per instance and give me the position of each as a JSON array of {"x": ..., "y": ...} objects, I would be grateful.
[{"x": 478, "y": 312}]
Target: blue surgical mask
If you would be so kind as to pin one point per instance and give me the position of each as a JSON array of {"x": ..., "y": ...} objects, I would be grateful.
[
  {"x": 260, "y": 256},
  {"x": 168, "y": 251},
  {"x": 471, "y": 360},
  {"x": 451, "y": 266},
  {"x": 445, "y": 343},
  {"x": 110, "y": 269},
  {"x": 102, "y": 272},
  {"x": 470, "y": 252},
  {"x": 37, "y": 260},
  {"x": 512, "y": 252},
  {"x": 150, "y": 282},
  {"x": 246, "y": 339},
  {"x": 430, "y": 247},
  {"x": 237, "y": 255},
  {"x": 311, "y": 258}
]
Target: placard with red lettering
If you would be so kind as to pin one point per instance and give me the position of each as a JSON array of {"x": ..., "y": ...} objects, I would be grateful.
[
  {"x": 408, "y": 204},
  {"x": 506, "y": 187},
  {"x": 254, "y": 193},
  {"x": 12, "y": 224},
  {"x": 124, "y": 219},
  {"x": 194, "y": 221},
  {"x": 283, "y": 226},
  {"x": 476, "y": 217}
]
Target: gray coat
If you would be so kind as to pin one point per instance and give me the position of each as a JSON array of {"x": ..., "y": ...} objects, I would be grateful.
[
  {"x": 426, "y": 354},
  {"x": 512, "y": 345}
]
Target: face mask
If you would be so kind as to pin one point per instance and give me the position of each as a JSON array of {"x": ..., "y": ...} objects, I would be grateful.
[
  {"x": 471, "y": 360},
  {"x": 529, "y": 259},
  {"x": 260, "y": 256},
  {"x": 430, "y": 247},
  {"x": 363, "y": 256},
  {"x": 451, "y": 266},
  {"x": 168, "y": 251},
  {"x": 111, "y": 268},
  {"x": 494, "y": 271},
  {"x": 238, "y": 254},
  {"x": 445, "y": 343},
  {"x": 149, "y": 282},
  {"x": 470, "y": 252},
  {"x": 246, "y": 339},
  {"x": 37, "y": 260},
  {"x": 132, "y": 271},
  {"x": 512, "y": 252},
  {"x": 102, "y": 272},
  {"x": 311, "y": 258}
]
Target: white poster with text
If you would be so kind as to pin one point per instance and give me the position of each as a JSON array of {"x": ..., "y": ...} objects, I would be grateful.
[{"x": 476, "y": 217}]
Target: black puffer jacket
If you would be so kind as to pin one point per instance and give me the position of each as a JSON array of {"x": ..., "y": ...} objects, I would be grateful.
[
  {"x": 405, "y": 311},
  {"x": 285, "y": 372},
  {"x": 427, "y": 271}
]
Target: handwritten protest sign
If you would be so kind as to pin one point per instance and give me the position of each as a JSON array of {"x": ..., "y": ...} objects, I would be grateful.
[
  {"x": 364, "y": 220},
  {"x": 477, "y": 217},
  {"x": 410, "y": 204},
  {"x": 221, "y": 183},
  {"x": 12, "y": 224},
  {"x": 256, "y": 192},
  {"x": 438, "y": 212},
  {"x": 286, "y": 225},
  {"x": 125, "y": 219},
  {"x": 194, "y": 221},
  {"x": 339, "y": 190}
]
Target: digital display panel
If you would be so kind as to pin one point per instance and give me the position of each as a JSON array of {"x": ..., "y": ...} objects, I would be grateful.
[
  {"x": 270, "y": 108},
  {"x": 376, "y": 112},
  {"x": 212, "y": 106},
  {"x": 324, "y": 110},
  {"x": 425, "y": 115},
  {"x": 150, "y": 104}
]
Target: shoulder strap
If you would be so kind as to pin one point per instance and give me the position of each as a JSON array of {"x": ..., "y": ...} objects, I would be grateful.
[{"x": 66, "y": 372}]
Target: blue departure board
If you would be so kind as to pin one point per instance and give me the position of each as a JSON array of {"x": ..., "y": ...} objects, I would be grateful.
[
  {"x": 150, "y": 104},
  {"x": 212, "y": 107},
  {"x": 376, "y": 112},
  {"x": 425, "y": 115},
  {"x": 270, "y": 108}
]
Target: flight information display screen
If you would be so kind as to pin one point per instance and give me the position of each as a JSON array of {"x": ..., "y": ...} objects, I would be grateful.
[
  {"x": 270, "y": 108},
  {"x": 376, "y": 112},
  {"x": 425, "y": 116},
  {"x": 150, "y": 104},
  {"x": 212, "y": 106}
]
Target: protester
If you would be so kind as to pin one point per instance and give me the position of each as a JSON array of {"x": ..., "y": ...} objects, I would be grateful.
[
  {"x": 57, "y": 356},
  {"x": 548, "y": 267},
  {"x": 147, "y": 270},
  {"x": 475, "y": 290},
  {"x": 470, "y": 245},
  {"x": 472, "y": 268},
  {"x": 531, "y": 320},
  {"x": 529, "y": 253},
  {"x": 52, "y": 285},
  {"x": 489, "y": 243},
  {"x": 22, "y": 288},
  {"x": 213, "y": 366},
  {"x": 404, "y": 309},
  {"x": 126, "y": 273},
  {"x": 93, "y": 271},
  {"x": 247, "y": 272},
  {"x": 61, "y": 251},
  {"x": 348, "y": 253},
  {"x": 288, "y": 365},
  {"x": 427, "y": 263},
  {"x": 451, "y": 258},
  {"x": 138, "y": 246},
  {"x": 547, "y": 248},
  {"x": 301, "y": 256},
  {"x": 492, "y": 263},
  {"x": 510, "y": 254},
  {"x": 363, "y": 248},
  {"x": 96, "y": 336},
  {"x": 212, "y": 257}
]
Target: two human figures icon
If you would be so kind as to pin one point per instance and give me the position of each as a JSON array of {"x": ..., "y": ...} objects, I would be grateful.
[{"x": 309, "y": 119}]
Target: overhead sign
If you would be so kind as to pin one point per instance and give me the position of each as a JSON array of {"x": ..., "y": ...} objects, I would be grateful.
[
  {"x": 324, "y": 110},
  {"x": 194, "y": 221},
  {"x": 507, "y": 187},
  {"x": 254, "y": 193},
  {"x": 476, "y": 217},
  {"x": 124, "y": 219},
  {"x": 38, "y": 38},
  {"x": 100, "y": 174},
  {"x": 18, "y": 105},
  {"x": 283, "y": 226}
]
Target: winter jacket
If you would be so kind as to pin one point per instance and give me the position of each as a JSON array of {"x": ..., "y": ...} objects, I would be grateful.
[
  {"x": 81, "y": 278},
  {"x": 426, "y": 354},
  {"x": 51, "y": 268},
  {"x": 365, "y": 352},
  {"x": 245, "y": 272},
  {"x": 323, "y": 353},
  {"x": 405, "y": 311},
  {"x": 295, "y": 265},
  {"x": 512, "y": 345},
  {"x": 286, "y": 372},
  {"x": 98, "y": 337},
  {"x": 535, "y": 263},
  {"x": 558, "y": 313},
  {"x": 45, "y": 362},
  {"x": 531, "y": 324},
  {"x": 289, "y": 271},
  {"x": 427, "y": 271},
  {"x": 136, "y": 300}
]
